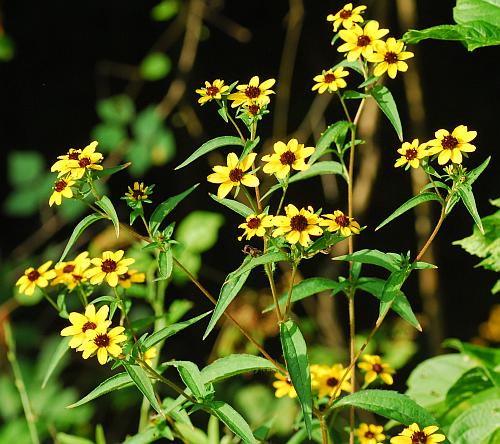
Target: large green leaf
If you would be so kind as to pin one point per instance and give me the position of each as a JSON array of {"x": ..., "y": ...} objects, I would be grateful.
[
  {"x": 234, "y": 205},
  {"x": 162, "y": 210},
  {"x": 335, "y": 133},
  {"x": 79, "y": 229},
  {"x": 408, "y": 205},
  {"x": 470, "y": 383},
  {"x": 233, "y": 420},
  {"x": 390, "y": 405},
  {"x": 61, "y": 350},
  {"x": 199, "y": 230},
  {"x": 470, "y": 10},
  {"x": 390, "y": 261},
  {"x": 117, "y": 109},
  {"x": 297, "y": 363},
  {"x": 232, "y": 365},
  {"x": 387, "y": 104},
  {"x": 191, "y": 376},
  {"x": 465, "y": 193},
  {"x": 141, "y": 379},
  {"x": 210, "y": 146}
]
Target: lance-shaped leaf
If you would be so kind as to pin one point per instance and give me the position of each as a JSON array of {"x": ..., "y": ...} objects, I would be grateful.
[
  {"x": 234, "y": 205},
  {"x": 327, "y": 240},
  {"x": 408, "y": 205},
  {"x": 141, "y": 379},
  {"x": 295, "y": 354},
  {"x": 335, "y": 133},
  {"x": 392, "y": 289},
  {"x": 109, "y": 171},
  {"x": 233, "y": 365},
  {"x": 210, "y": 146},
  {"x": 162, "y": 210},
  {"x": 465, "y": 193},
  {"x": 268, "y": 258},
  {"x": 79, "y": 229},
  {"x": 470, "y": 383},
  {"x": 389, "y": 261},
  {"x": 386, "y": 103},
  {"x": 191, "y": 376},
  {"x": 233, "y": 420},
  {"x": 165, "y": 263},
  {"x": 107, "y": 206},
  {"x": 59, "y": 353},
  {"x": 249, "y": 147}
]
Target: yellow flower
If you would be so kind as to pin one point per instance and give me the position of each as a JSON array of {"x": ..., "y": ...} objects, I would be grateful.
[
  {"x": 35, "y": 277},
  {"x": 88, "y": 159},
  {"x": 254, "y": 92},
  {"x": 252, "y": 108},
  {"x": 338, "y": 221},
  {"x": 149, "y": 355},
  {"x": 283, "y": 386},
  {"x": 374, "y": 367},
  {"x": 103, "y": 342},
  {"x": 412, "y": 435},
  {"x": 297, "y": 225},
  {"x": 389, "y": 57},
  {"x": 71, "y": 273},
  {"x": 255, "y": 225},
  {"x": 346, "y": 17},
  {"x": 131, "y": 277},
  {"x": 232, "y": 175},
  {"x": 109, "y": 267},
  {"x": 138, "y": 192},
  {"x": 328, "y": 378},
  {"x": 360, "y": 41},
  {"x": 330, "y": 80},
  {"x": 72, "y": 154},
  {"x": 450, "y": 146},
  {"x": 286, "y": 157},
  {"x": 62, "y": 188},
  {"x": 212, "y": 91},
  {"x": 370, "y": 434},
  {"x": 411, "y": 153},
  {"x": 81, "y": 323}
]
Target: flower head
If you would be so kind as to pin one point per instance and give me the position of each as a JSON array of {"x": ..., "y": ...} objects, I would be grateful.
[
  {"x": 360, "y": 41},
  {"x": 233, "y": 175},
  {"x": 338, "y": 221},
  {"x": 297, "y": 225},
  {"x": 71, "y": 273},
  {"x": 370, "y": 433},
  {"x": 102, "y": 341},
  {"x": 287, "y": 157},
  {"x": 60, "y": 164},
  {"x": 254, "y": 92},
  {"x": 91, "y": 320},
  {"x": 62, "y": 188},
  {"x": 389, "y": 57},
  {"x": 411, "y": 153},
  {"x": 413, "y": 435},
  {"x": 328, "y": 378},
  {"x": 374, "y": 367},
  {"x": 138, "y": 192},
  {"x": 88, "y": 159},
  {"x": 108, "y": 267},
  {"x": 346, "y": 17},
  {"x": 131, "y": 277},
  {"x": 212, "y": 91},
  {"x": 284, "y": 386},
  {"x": 149, "y": 355},
  {"x": 450, "y": 146},
  {"x": 330, "y": 80},
  {"x": 255, "y": 225},
  {"x": 35, "y": 277}
]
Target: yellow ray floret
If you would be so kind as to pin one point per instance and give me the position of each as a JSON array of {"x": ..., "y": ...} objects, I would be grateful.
[
  {"x": 81, "y": 323},
  {"x": 297, "y": 226},
  {"x": 255, "y": 225},
  {"x": 450, "y": 146},
  {"x": 346, "y": 17},
  {"x": 327, "y": 380},
  {"x": 71, "y": 273},
  {"x": 413, "y": 434},
  {"x": 411, "y": 154},
  {"x": 35, "y": 277},
  {"x": 338, "y": 221},
  {"x": 287, "y": 157},
  {"x": 254, "y": 92},
  {"x": 389, "y": 57},
  {"x": 88, "y": 159},
  {"x": 131, "y": 277},
  {"x": 284, "y": 386},
  {"x": 212, "y": 91},
  {"x": 103, "y": 342},
  {"x": 360, "y": 41},
  {"x": 62, "y": 188},
  {"x": 330, "y": 80},
  {"x": 108, "y": 267},
  {"x": 374, "y": 368},
  {"x": 370, "y": 434}
]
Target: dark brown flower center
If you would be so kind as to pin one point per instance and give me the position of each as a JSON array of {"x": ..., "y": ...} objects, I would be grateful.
[
  {"x": 33, "y": 275},
  {"x": 342, "y": 220},
  {"x": 102, "y": 340},
  {"x": 252, "y": 92},
  {"x": 73, "y": 155},
  {"x": 137, "y": 195},
  {"x": 254, "y": 109},
  {"x": 212, "y": 91},
  {"x": 108, "y": 266},
  {"x": 298, "y": 223},
  {"x": 124, "y": 276},
  {"x": 449, "y": 142},
  {"x": 364, "y": 40},
  {"x": 287, "y": 158},
  {"x": 253, "y": 223},
  {"x": 84, "y": 162},
  {"x": 88, "y": 326},
  {"x": 329, "y": 78},
  {"x": 418, "y": 438},
  {"x": 60, "y": 185},
  {"x": 68, "y": 268},
  {"x": 77, "y": 277},
  {"x": 411, "y": 154},
  {"x": 377, "y": 368},
  {"x": 369, "y": 435},
  {"x": 236, "y": 175},
  {"x": 332, "y": 382},
  {"x": 345, "y": 14},
  {"x": 390, "y": 57}
]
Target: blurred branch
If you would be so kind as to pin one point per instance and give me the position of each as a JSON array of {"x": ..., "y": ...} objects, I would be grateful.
[{"x": 228, "y": 26}]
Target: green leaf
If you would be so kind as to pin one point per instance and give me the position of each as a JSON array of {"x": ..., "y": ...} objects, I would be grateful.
[
  {"x": 230, "y": 289},
  {"x": 233, "y": 420},
  {"x": 141, "y": 379},
  {"x": 191, "y": 376},
  {"x": 107, "y": 206},
  {"x": 155, "y": 66},
  {"x": 389, "y": 261},
  {"x": 476, "y": 172},
  {"x": 171, "y": 330},
  {"x": 349, "y": 94},
  {"x": 165, "y": 10},
  {"x": 24, "y": 167},
  {"x": 249, "y": 147},
  {"x": 489, "y": 357},
  {"x": 210, "y": 146},
  {"x": 233, "y": 365},
  {"x": 165, "y": 263},
  {"x": 326, "y": 241},
  {"x": 295, "y": 354},
  {"x": 465, "y": 193},
  {"x": 162, "y": 210},
  {"x": 392, "y": 290},
  {"x": 234, "y": 205},
  {"x": 64, "y": 438},
  {"x": 198, "y": 231},
  {"x": 476, "y": 424},
  {"x": 351, "y": 65},
  {"x": 191, "y": 434},
  {"x": 115, "y": 382},
  {"x": 335, "y": 133},
  {"x": 390, "y": 405},
  {"x": 408, "y": 205},
  {"x": 79, "y": 229},
  {"x": 117, "y": 109},
  {"x": 308, "y": 287},
  {"x": 109, "y": 135},
  {"x": 470, "y": 383},
  {"x": 6, "y": 48},
  {"x": 470, "y": 10},
  {"x": 60, "y": 351},
  {"x": 386, "y": 103},
  {"x": 109, "y": 171},
  {"x": 100, "y": 437},
  {"x": 267, "y": 258}
]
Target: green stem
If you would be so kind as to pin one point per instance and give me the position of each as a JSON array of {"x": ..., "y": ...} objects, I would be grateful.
[
  {"x": 289, "y": 298},
  {"x": 236, "y": 126},
  {"x": 285, "y": 188},
  {"x": 250, "y": 200},
  {"x": 50, "y": 300}
]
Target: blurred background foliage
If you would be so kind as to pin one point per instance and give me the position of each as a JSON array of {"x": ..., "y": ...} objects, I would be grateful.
[{"x": 124, "y": 73}]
